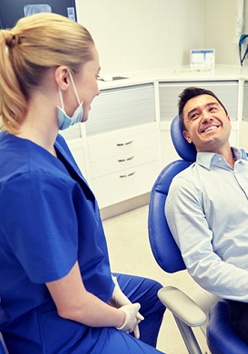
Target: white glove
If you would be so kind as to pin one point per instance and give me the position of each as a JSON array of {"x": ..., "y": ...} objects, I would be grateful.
[
  {"x": 131, "y": 321},
  {"x": 119, "y": 299}
]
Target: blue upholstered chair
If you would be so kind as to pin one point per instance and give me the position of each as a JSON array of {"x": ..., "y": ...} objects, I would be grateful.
[
  {"x": 2, "y": 346},
  {"x": 220, "y": 338},
  {"x": 3, "y": 318}
]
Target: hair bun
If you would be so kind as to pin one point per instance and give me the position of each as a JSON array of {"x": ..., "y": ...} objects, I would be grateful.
[{"x": 11, "y": 40}]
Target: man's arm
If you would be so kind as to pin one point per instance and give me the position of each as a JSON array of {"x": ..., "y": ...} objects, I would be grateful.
[{"x": 190, "y": 229}]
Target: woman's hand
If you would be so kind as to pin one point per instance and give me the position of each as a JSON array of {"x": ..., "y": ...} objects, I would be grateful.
[
  {"x": 119, "y": 300},
  {"x": 75, "y": 303}
]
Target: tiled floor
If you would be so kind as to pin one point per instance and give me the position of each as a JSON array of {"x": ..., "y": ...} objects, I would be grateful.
[{"x": 130, "y": 252}]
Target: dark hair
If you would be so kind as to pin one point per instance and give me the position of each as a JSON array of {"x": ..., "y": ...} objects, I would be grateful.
[{"x": 191, "y": 92}]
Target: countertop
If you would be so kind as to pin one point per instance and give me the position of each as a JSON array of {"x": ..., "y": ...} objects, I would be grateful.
[{"x": 174, "y": 74}]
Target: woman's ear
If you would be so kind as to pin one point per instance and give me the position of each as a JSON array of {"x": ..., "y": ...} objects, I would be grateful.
[
  {"x": 187, "y": 137},
  {"x": 61, "y": 76}
]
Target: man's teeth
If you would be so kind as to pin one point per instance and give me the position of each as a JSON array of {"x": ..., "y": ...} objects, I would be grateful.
[{"x": 210, "y": 128}]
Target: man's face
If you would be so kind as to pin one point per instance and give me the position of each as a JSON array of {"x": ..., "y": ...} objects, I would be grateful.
[{"x": 207, "y": 125}]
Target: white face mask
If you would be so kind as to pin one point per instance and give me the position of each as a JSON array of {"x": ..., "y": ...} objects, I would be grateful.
[{"x": 64, "y": 120}]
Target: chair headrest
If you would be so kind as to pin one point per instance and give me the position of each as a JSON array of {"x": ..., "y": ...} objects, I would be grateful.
[{"x": 185, "y": 150}]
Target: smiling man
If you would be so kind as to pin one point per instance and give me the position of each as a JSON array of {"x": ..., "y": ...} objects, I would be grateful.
[{"x": 207, "y": 205}]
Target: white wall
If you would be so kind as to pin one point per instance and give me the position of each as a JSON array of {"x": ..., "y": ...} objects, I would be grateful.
[
  {"x": 133, "y": 35},
  {"x": 219, "y": 29}
]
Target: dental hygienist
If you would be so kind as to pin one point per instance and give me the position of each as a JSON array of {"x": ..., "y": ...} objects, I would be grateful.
[{"x": 58, "y": 295}]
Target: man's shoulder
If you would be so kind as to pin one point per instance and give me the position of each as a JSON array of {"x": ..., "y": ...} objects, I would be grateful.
[{"x": 187, "y": 173}]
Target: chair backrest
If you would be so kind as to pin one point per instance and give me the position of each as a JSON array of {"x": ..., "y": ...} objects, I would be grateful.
[
  {"x": 163, "y": 246},
  {"x": 2, "y": 346}
]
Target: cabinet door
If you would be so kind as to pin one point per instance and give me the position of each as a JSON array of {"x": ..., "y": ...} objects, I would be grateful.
[
  {"x": 120, "y": 108},
  {"x": 226, "y": 91},
  {"x": 120, "y": 186},
  {"x": 123, "y": 163},
  {"x": 245, "y": 102},
  {"x": 121, "y": 142},
  {"x": 244, "y": 122}
]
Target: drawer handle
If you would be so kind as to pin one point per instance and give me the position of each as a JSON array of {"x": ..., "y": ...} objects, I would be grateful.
[
  {"x": 128, "y": 159},
  {"x": 128, "y": 175},
  {"x": 124, "y": 144},
  {"x": 131, "y": 174}
]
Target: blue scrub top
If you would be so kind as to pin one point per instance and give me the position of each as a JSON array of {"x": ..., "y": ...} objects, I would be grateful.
[{"x": 49, "y": 219}]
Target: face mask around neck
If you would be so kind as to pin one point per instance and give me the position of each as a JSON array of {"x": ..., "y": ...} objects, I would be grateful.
[{"x": 64, "y": 120}]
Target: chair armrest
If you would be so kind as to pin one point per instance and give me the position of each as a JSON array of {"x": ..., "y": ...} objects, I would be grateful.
[{"x": 182, "y": 306}]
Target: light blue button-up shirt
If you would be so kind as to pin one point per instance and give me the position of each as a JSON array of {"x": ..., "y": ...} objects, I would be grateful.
[{"x": 207, "y": 212}]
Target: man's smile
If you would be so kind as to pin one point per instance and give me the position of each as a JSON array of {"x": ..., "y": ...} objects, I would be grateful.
[{"x": 211, "y": 127}]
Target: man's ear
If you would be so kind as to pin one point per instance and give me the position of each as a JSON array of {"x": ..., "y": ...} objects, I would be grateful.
[
  {"x": 187, "y": 137},
  {"x": 61, "y": 76}
]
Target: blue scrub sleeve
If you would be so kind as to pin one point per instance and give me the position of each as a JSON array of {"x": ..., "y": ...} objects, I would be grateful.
[{"x": 39, "y": 222}]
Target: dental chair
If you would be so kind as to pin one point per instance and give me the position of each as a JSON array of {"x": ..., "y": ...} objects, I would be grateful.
[
  {"x": 3, "y": 349},
  {"x": 219, "y": 335}
]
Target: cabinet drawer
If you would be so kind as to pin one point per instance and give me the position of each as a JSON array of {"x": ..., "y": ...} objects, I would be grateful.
[
  {"x": 122, "y": 142},
  {"x": 226, "y": 91},
  {"x": 117, "y": 187},
  {"x": 123, "y": 162},
  {"x": 243, "y": 142}
]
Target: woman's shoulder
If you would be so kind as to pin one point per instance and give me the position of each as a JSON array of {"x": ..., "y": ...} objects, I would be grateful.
[{"x": 21, "y": 157}]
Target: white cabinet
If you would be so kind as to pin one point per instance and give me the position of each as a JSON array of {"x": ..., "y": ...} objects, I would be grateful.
[
  {"x": 122, "y": 144},
  {"x": 123, "y": 163},
  {"x": 244, "y": 121}
]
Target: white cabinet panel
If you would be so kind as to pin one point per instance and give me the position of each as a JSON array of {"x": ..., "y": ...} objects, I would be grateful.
[
  {"x": 121, "y": 142},
  {"x": 121, "y": 108},
  {"x": 116, "y": 187},
  {"x": 244, "y": 136},
  {"x": 168, "y": 152},
  {"x": 124, "y": 162},
  {"x": 226, "y": 91},
  {"x": 74, "y": 132},
  {"x": 245, "y": 102}
]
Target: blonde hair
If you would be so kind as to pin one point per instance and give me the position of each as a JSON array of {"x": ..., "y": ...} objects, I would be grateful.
[{"x": 28, "y": 50}]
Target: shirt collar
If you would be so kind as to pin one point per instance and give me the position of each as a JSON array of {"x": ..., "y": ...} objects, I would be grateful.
[{"x": 206, "y": 158}]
